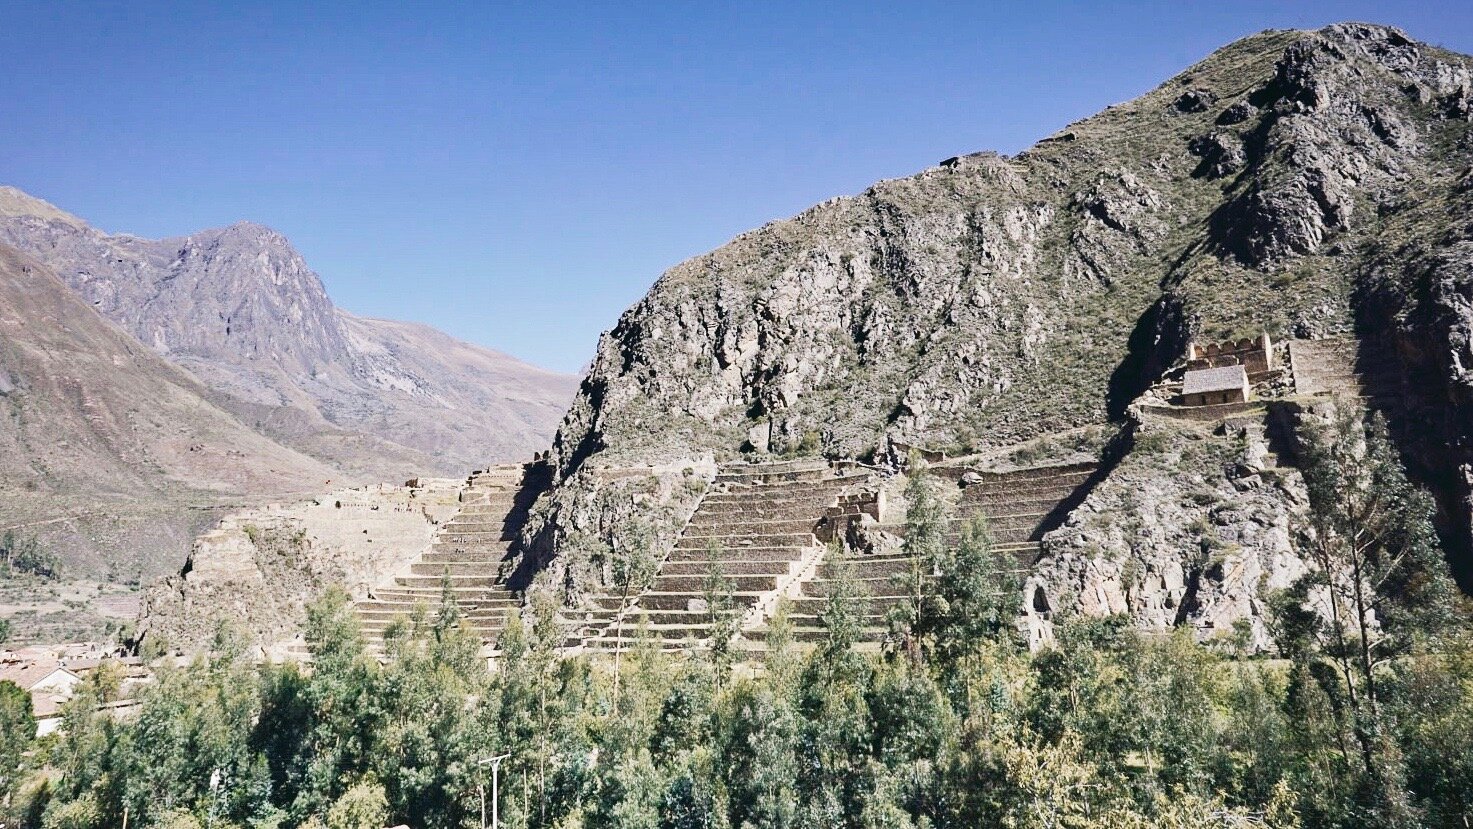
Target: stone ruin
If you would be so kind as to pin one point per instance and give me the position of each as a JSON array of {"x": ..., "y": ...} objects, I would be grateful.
[{"x": 1255, "y": 355}]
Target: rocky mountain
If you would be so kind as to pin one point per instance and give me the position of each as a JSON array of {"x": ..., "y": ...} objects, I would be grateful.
[
  {"x": 1294, "y": 211},
  {"x": 112, "y": 455},
  {"x": 240, "y": 310},
  {"x": 1304, "y": 184}
]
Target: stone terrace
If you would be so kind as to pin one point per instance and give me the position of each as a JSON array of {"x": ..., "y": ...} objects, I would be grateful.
[
  {"x": 755, "y": 526},
  {"x": 1021, "y": 506},
  {"x": 465, "y": 558},
  {"x": 1338, "y": 366}
]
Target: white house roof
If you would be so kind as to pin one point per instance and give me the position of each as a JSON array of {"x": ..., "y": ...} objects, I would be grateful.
[
  {"x": 1214, "y": 379},
  {"x": 29, "y": 675}
]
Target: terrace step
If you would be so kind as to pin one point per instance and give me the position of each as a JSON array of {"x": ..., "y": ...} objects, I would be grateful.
[
  {"x": 434, "y": 582},
  {"x": 880, "y": 587},
  {"x": 736, "y": 513},
  {"x": 722, "y": 525},
  {"x": 737, "y": 542},
  {"x": 378, "y": 606},
  {"x": 458, "y": 567},
  {"x": 453, "y": 536},
  {"x": 753, "y": 526},
  {"x": 483, "y": 546},
  {"x": 1032, "y": 489},
  {"x": 463, "y": 596},
  {"x": 815, "y": 606},
  {"x": 487, "y": 614},
  {"x": 377, "y": 627},
  {"x": 678, "y": 601},
  {"x": 869, "y": 566},
  {"x": 741, "y": 583},
  {"x": 734, "y": 554},
  {"x": 488, "y": 558},
  {"x": 998, "y": 506},
  {"x": 702, "y": 567}
]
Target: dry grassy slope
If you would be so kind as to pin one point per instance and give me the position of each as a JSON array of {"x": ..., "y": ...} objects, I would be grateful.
[
  {"x": 990, "y": 300},
  {"x": 471, "y": 404},
  {"x": 111, "y": 455},
  {"x": 241, "y": 310}
]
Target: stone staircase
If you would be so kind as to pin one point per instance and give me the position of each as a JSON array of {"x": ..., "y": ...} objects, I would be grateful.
[
  {"x": 755, "y": 526},
  {"x": 465, "y": 558},
  {"x": 1021, "y": 506}
]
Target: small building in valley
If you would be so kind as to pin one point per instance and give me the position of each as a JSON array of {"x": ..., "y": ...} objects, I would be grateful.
[{"x": 1209, "y": 386}]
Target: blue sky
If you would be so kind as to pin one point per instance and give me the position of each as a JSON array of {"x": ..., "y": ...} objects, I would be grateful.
[{"x": 518, "y": 174}]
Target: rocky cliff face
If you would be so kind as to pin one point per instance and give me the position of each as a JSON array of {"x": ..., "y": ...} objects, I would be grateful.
[
  {"x": 1305, "y": 184},
  {"x": 239, "y": 308}
]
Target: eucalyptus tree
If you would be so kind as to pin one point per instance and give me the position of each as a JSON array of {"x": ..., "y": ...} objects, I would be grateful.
[{"x": 1381, "y": 581}]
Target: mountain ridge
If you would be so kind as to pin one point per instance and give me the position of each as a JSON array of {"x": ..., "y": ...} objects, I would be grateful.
[{"x": 240, "y": 309}]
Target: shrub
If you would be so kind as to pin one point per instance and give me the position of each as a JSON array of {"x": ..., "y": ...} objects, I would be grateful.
[{"x": 363, "y": 806}]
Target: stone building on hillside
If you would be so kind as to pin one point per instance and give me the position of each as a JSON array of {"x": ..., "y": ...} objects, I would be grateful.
[
  {"x": 1209, "y": 386},
  {"x": 1255, "y": 355}
]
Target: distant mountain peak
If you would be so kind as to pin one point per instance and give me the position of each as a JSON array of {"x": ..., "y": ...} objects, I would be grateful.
[{"x": 250, "y": 230}]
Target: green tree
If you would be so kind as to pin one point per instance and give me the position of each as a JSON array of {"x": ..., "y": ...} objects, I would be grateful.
[
  {"x": 1168, "y": 712},
  {"x": 841, "y": 609},
  {"x": 83, "y": 759},
  {"x": 633, "y": 565},
  {"x": 333, "y": 710},
  {"x": 914, "y": 620},
  {"x": 17, "y": 730},
  {"x": 363, "y": 806},
  {"x": 834, "y": 735},
  {"x": 423, "y": 747},
  {"x": 723, "y": 618},
  {"x": 977, "y": 594},
  {"x": 25, "y": 555},
  {"x": 541, "y": 719},
  {"x": 1433, "y": 712},
  {"x": 759, "y": 755},
  {"x": 1383, "y": 578},
  {"x": 179, "y": 819},
  {"x": 912, "y": 727}
]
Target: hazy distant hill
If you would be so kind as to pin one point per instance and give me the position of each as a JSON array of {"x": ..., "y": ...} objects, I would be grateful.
[
  {"x": 111, "y": 455},
  {"x": 240, "y": 309}
]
